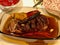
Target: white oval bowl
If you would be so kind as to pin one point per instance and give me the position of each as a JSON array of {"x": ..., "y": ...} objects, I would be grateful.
[{"x": 17, "y": 10}]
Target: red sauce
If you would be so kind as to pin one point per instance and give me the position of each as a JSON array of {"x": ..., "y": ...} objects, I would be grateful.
[
  {"x": 8, "y": 2},
  {"x": 31, "y": 13}
]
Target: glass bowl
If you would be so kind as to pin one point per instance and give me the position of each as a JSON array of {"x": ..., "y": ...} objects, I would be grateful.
[
  {"x": 19, "y": 10},
  {"x": 8, "y": 8}
]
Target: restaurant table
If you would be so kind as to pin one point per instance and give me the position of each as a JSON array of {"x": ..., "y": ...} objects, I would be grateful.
[{"x": 9, "y": 41}]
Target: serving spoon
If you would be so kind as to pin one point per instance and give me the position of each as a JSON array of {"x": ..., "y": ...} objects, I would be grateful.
[{"x": 38, "y": 3}]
